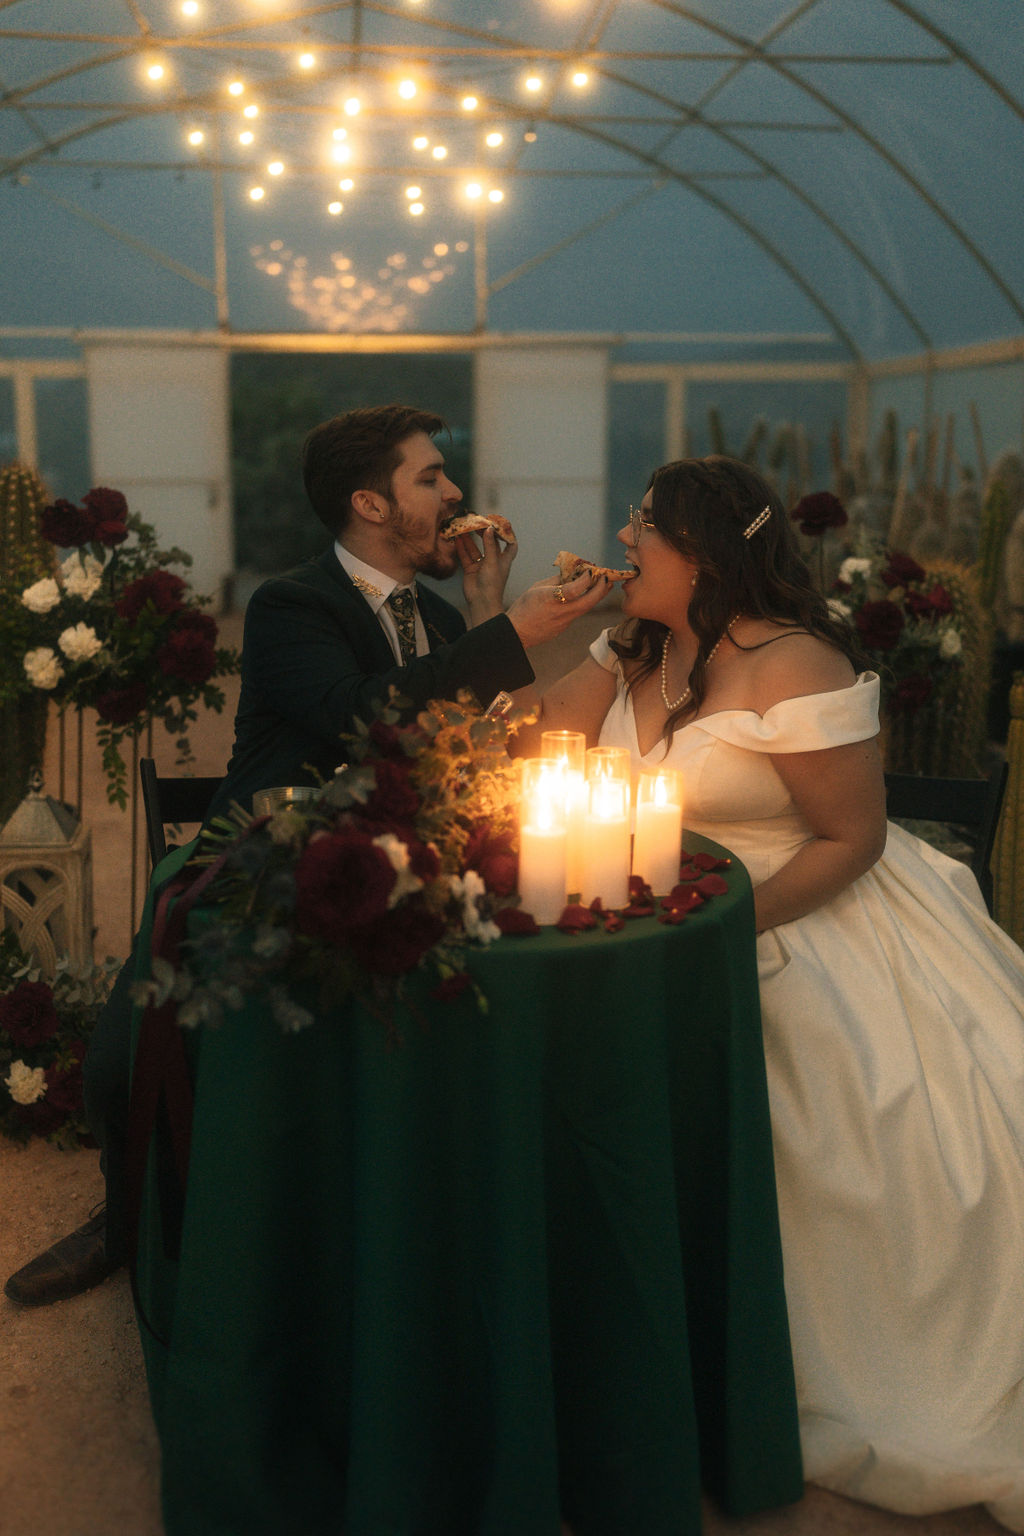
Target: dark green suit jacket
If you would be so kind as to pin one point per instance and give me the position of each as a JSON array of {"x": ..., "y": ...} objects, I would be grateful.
[{"x": 315, "y": 658}]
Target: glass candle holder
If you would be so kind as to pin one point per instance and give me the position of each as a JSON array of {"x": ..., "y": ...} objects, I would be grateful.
[
  {"x": 568, "y": 749},
  {"x": 606, "y": 828},
  {"x": 543, "y": 885},
  {"x": 659, "y": 828}
]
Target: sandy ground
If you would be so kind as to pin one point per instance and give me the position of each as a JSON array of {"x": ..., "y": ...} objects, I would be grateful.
[{"x": 78, "y": 1451}]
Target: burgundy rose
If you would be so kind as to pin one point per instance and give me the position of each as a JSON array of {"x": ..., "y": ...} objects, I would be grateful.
[
  {"x": 394, "y": 797},
  {"x": 911, "y": 693},
  {"x": 66, "y": 525},
  {"x": 902, "y": 570},
  {"x": 819, "y": 512},
  {"x": 28, "y": 1015},
  {"x": 929, "y": 605},
  {"x": 341, "y": 882},
  {"x": 424, "y": 859},
  {"x": 387, "y": 739},
  {"x": 187, "y": 656},
  {"x": 120, "y": 706},
  {"x": 64, "y": 1086},
  {"x": 109, "y": 510},
  {"x": 41, "y": 1117},
  {"x": 396, "y": 943},
  {"x": 202, "y": 623},
  {"x": 879, "y": 624},
  {"x": 495, "y": 860},
  {"x": 164, "y": 591}
]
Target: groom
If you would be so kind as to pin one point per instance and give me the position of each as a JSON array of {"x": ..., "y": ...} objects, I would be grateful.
[{"x": 322, "y": 644}]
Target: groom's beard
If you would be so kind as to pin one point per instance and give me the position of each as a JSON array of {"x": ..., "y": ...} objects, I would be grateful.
[{"x": 431, "y": 556}]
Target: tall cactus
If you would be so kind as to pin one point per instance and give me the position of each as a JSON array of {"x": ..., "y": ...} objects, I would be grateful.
[
  {"x": 25, "y": 556},
  {"x": 995, "y": 522},
  {"x": 1008, "y": 855}
]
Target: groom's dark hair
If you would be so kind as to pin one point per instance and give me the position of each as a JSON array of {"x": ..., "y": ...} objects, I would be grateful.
[{"x": 359, "y": 451}]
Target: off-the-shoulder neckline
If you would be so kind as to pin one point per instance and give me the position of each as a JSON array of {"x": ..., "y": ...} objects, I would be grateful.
[{"x": 862, "y": 679}]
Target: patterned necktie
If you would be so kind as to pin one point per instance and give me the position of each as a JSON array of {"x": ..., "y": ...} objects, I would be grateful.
[{"x": 403, "y": 611}]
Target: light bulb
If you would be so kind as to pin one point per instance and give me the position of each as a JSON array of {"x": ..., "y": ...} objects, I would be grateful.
[
  {"x": 307, "y": 60},
  {"x": 420, "y": 141},
  {"x": 413, "y": 193},
  {"x": 470, "y": 103},
  {"x": 236, "y": 88},
  {"x": 407, "y": 89},
  {"x": 495, "y": 195},
  {"x": 439, "y": 152},
  {"x": 335, "y": 207},
  {"x": 257, "y": 194},
  {"x": 533, "y": 82},
  {"x": 275, "y": 168},
  {"x": 196, "y": 136},
  {"x": 473, "y": 189},
  {"x": 252, "y": 110},
  {"x": 580, "y": 78},
  {"x": 247, "y": 137},
  {"x": 415, "y": 209},
  {"x": 494, "y": 139},
  {"x": 352, "y": 106}
]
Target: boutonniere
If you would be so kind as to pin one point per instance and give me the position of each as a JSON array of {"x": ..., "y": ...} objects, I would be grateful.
[{"x": 362, "y": 585}]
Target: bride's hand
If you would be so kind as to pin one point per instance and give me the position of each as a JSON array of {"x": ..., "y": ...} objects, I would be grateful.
[{"x": 550, "y": 606}]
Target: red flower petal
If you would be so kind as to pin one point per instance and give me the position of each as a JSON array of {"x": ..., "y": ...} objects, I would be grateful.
[
  {"x": 513, "y": 920},
  {"x": 711, "y": 885},
  {"x": 682, "y": 898},
  {"x": 575, "y": 918},
  {"x": 613, "y": 923},
  {"x": 708, "y": 861}
]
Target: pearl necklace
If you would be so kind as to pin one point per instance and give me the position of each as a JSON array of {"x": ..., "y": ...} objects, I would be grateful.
[{"x": 673, "y": 704}]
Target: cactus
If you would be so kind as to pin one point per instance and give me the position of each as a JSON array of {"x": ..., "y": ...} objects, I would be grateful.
[
  {"x": 25, "y": 556},
  {"x": 995, "y": 522},
  {"x": 1008, "y": 855}
]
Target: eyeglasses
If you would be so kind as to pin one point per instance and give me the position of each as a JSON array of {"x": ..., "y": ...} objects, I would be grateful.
[{"x": 637, "y": 522}]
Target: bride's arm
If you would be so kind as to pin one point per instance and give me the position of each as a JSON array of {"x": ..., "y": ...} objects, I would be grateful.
[
  {"x": 577, "y": 702},
  {"x": 840, "y": 792}
]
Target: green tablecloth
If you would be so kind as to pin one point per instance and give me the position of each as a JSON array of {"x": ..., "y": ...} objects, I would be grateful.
[{"x": 514, "y": 1264}]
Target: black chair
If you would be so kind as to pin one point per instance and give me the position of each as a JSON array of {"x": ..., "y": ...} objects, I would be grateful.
[
  {"x": 171, "y": 802},
  {"x": 970, "y": 805}
]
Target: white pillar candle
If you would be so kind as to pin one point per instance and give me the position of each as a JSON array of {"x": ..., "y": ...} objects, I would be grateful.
[
  {"x": 606, "y": 849},
  {"x": 659, "y": 828},
  {"x": 542, "y": 841},
  {"x": 568, "y": 750}
]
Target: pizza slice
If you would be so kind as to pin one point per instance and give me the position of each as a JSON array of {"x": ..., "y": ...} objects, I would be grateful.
[
  {"x": 570, "y": 566},
  {"x": 478, "y": 522}
]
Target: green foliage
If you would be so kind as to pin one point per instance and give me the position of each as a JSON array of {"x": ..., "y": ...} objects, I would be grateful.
[{"x": 995, "y": 524}]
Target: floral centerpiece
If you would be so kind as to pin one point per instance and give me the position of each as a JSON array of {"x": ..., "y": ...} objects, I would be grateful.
[
  {"x": 926, "y": 636},
  {"x": 44, "y": 1031},
  {"x": 111, "y": 629},
  {"x": 404, "y": 859}
]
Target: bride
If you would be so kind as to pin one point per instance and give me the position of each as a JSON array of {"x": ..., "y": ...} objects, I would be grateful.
[{"x": 893, "y": 1006}]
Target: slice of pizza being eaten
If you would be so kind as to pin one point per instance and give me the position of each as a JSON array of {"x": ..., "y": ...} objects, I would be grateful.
[
  {"x": 478, "y": 522},
  {"x": 570, "y": 566}
]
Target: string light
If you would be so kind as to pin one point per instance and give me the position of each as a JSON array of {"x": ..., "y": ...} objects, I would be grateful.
[
  {"x": 495, "y": 195},
  {"x": 413, "y": 193},
  {"x": 252, "y": 110},
  {"x": 580, "y": 78},
  {"x": 190, "y": 8},
  {"x": 420, "y": 141},
  {"x": 415, "y": 209},
  {"x": 407, "y": 89},
  {"x": 474, "y": 189},
  {"x": 335, "y": 208},
  {"x": 533, "y": 82},
  {"x": 257, "y": 194},
  {"x": 247, "y": 137},
  {"x": 275, "y": 168},
  {"x": 307, "y": 60},
  {"x": 155, "y": 71},
  {"x": 236, "y": 88},
  {"x": 439, "y": 152},
  {"x": 494, "y": 139},
  {"x": 196, "y": 137},
  {"x": 470, "y": 103},
  {"x": 341, "y": 154},
  {"x": 346, "y": 184},
  {"x": 352, "y": 106}
]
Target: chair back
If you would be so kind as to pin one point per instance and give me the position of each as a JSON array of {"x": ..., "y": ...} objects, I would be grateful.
[
  {"x": 970, "y": 804},
  {"x": 171, "y": 801}
]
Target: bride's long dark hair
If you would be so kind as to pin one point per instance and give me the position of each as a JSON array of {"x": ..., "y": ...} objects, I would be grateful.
[{"x": 702, "y": 507}]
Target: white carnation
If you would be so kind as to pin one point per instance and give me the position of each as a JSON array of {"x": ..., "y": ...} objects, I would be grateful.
[
  {"x": 43, "y": 667},
  {"x": 79, "y": 642},
  {"x": 470, "y": 888},
  {"x": 26, "y": 1084},
  {"x": 951, "y": 644},
  {"x": 42, "y": 596},
  {"x": 839, "y": 609},
  {"x": 398, "y": 855},
  {"x": 81, "y": 574},
  {"x": 854, "y": 565}
]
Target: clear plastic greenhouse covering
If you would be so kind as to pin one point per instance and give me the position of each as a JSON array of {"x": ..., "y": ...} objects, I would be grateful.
[{"x": 803, "y": 179}]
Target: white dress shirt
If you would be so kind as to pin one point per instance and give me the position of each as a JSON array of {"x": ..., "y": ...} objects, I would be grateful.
[{"x": 376, "y": 588}]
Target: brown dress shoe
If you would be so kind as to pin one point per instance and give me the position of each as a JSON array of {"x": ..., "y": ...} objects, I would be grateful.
[{"x": 74, "y": 1264}]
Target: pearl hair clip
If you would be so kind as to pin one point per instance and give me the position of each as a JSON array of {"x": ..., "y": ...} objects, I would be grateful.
[{"x": 762, "y": 517}]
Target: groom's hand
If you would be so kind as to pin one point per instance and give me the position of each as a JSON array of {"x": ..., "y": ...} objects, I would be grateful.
[
  {"x": 485, "y": 568},
  {"x": 549, "y": 606}
]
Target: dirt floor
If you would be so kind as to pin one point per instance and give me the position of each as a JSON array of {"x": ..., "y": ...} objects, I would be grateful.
[{"x": 78, "y": 1451}]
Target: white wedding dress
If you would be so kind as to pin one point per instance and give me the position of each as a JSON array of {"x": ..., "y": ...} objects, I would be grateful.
[{"x": 894, "y": 1038}]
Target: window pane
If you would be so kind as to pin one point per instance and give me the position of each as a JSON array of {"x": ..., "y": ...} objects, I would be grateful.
[{"x": 62, "y": 434}]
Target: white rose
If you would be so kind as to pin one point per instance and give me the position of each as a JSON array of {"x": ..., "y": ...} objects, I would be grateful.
[
  {"x": 950, "y": 645},
  {"x": 838, "y": 609},
  {"x": 26, "y": 1084},
  {"x": 42, "y": 596},
  {"x": 398, "y": 855},
  {"x": 79, "y": 642},
  {"x": 42, "y": 667},
  {"x": 81, "y": 575},
  {"x": 470, "y": 888},
  {"x": 854, "y": 565}
]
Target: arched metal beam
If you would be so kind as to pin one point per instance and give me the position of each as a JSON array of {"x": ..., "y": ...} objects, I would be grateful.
[{"x": 857, "y": 128}]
